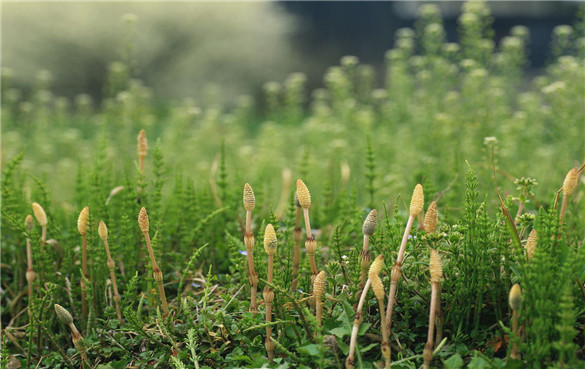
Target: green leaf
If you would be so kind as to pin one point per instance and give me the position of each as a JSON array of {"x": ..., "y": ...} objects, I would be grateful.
[
  {"x": 454, "y": 362},
  {"x": 369, "y": 347},
  {"x": 363, "y": 329},
  {"x": 311, "y": 350},
  {"x": 340, "y": 332},
  {"x": 478, "y": 362},
  {"x": 105, "y": 366}
]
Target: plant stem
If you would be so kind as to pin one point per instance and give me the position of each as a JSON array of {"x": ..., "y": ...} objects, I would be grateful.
[
  {"x": 439, "y": 320},
  {"x": 428, "y": 350},
  {"x": 85, "y": 271},
  {"x": 396, "y": 273},
  {"x": 268, "y": 298},
  {"x": 564, "y": 208},
  {"x": 385, "y": 335},
  {"x": 111, "y": 266},
  {"x": 514, "y": 354},
  {"x": 157, "y": 274},
  {"x": 350, "y": 361},
  {"x": 297, "y": 237},
  {"x": 252, "y": 275},
  {"x": 364, "y": 260}
]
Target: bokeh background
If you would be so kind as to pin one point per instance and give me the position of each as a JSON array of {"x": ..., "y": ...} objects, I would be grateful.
[{"x": 220, "y": 50}]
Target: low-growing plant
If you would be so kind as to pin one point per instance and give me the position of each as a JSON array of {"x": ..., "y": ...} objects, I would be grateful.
[{"x": 189, "y": 300}]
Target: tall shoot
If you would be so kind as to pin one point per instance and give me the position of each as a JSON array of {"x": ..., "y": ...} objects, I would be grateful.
[
  {"x": 304, "y": 198},
  {"x": 416, "y": 206},
  {"x": 436, "y": 271},
  {"x": 569, "y": 185},
  {"x": 368, "y": 229},
  {"x": 103, "y": 232},
  {"x": 249, "y": 204},
  {"x": 31, "y": 275},
  {"x": 270, "y": 244},
  {"x": 515, "y": 301},
  {"x": 82, "y": 227},
  {"x": 158, "y": 277},
  {"x": 41, "y": 217},
  {"x": 142, "y": 150}
]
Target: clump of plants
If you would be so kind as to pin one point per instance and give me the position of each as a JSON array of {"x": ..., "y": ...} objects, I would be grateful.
[{"x": 462, "y": 284}]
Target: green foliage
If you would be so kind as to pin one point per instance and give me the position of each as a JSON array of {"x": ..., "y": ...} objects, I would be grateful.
[{"x": 433, "y": 111}]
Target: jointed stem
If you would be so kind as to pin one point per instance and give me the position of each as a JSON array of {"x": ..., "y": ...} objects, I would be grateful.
[
  {"x": 111, "y": 266},
  {"x": 428, "y": 351},
  {"x": 297, "y": 237},
  {"x": 85, "y": 271},
  {"x": 252, "y": 275},
  {"x": 396, "y": 273},
  {"x": 350, "y": 361},
  {"x": 157, "y": 274}
]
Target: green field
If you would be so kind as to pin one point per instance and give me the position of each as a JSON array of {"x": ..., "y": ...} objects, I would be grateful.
[{"x": 499, "y": 153}]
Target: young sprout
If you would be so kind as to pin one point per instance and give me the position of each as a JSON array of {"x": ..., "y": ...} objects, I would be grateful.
[
  {"x": 436, "y": 271},
  {"x": 318, "y": 292},
  {"x": 378, "y": 288},
  {"x": 65, "y": 317},
  {"x": 270, "y": 244},
  {"x": 515, "y": 300},
  {"x": 430, "y": 227},
  {"x": 304, "y": 198},
  {"x": 103, "y": 232},
  {"x": 368, "y": 229},
  {"x": 270, "y": 248},
  {"x": 82, "y": 227},
  {"x": 569, "y": 185},
  {"x": 416, "y": 206},
  {"x": 431, "y": 218},
  {"x": 249, "y": 205},
  {"x": 375, "y": 269},
  {"x": 531, "y": 244},
  {"x": 31, "y": 275},
  {"x": 297, "y": 238},
  {"x": 144, "y": 227},
  {"x": 41, "y": 216}
]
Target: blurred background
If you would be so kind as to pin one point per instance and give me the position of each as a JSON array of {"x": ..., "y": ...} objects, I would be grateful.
[{"x": 218, "y": 51}]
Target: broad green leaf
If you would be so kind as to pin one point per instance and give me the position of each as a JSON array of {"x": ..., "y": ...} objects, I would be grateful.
[{"x": 454, "y": 362}]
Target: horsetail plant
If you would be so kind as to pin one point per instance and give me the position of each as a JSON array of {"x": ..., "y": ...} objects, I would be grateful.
[
  {"x": 378, "y": 288},
  {"x": 144, "y": 227},
  {"x": 416, "y": 206},
  {"x": 531, "y": 243},
  {"x": 368, "y": 229},
  {"x": 436, "y": 271},
  {"x": 270, "y": 244},
  {"x": 297, "y": 239},
  {"x": 249, "y": 204},
  {"x": 103, "y": 232},
  {"x": 142, "y": 150},
  {"x": 41, "y": 217},
  {"x": 82, "y": 227},
  {"x": 431, "y": 218},
  {"x": 515, "y": 301},
  {"x": 65, "y": 317},
  {"x": 430, "y": 226},
  {"x": 304, "y": 198},
  {"x": 31, "y": 275},
  {"x": 318, "y": 291},
  {"x": 357, "y": 321},
  {"x": 569, "y": 185},
  {"x": 270, "y": 248}
]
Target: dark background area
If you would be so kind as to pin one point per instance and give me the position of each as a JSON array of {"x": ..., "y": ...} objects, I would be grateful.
[{"x": 329, "y": 30}]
